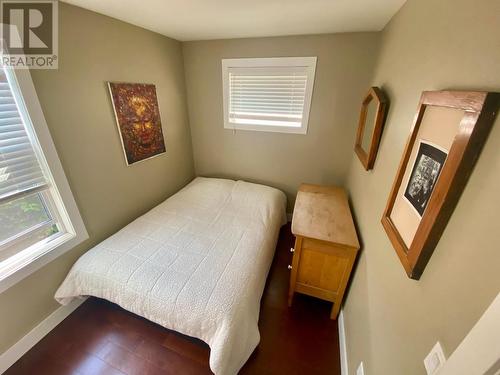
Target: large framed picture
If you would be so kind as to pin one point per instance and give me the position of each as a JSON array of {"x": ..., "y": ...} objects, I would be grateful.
[
  {"x": 448, "y": 133},
  {"x": 138, "y": 120}
]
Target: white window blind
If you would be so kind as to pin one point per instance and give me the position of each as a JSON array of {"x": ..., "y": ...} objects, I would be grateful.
[
  {"x": 20, "y": 170},
  {"x": 268, "y": 94},
  {"x": 260, "y": 96}
]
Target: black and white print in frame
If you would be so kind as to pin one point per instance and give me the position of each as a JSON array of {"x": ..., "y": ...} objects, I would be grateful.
[{"x": 424, "y": 175}]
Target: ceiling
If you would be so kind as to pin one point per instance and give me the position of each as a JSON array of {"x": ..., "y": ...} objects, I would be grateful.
[{"x": 222, "y": 19}]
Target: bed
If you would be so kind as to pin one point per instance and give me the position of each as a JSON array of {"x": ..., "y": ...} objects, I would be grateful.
[{"x": 197, "y": 264}]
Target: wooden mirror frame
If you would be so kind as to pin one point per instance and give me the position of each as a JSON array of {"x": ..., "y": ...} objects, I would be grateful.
[
  {"x": 480, "y": 109},
  {"x": 368, "y": 157}
]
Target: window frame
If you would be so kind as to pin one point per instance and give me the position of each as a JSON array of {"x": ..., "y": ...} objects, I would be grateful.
[
  {"x": 270, "y": 62},
  {"x": 27, "y": 261}
]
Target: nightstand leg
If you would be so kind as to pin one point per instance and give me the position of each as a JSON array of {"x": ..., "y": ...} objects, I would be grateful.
[
  {"x": 290, "y": 298},
  {"x": 335, "y": 310},
  {"x": 293, "y": 268}
]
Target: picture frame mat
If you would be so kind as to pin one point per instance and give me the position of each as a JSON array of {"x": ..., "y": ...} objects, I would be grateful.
[{"x": 439, "y": 127}]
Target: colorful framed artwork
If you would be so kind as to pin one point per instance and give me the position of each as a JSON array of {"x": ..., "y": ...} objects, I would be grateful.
[
  {"x": 138, "y": 120},
  {"x": 448, "y": 133}
]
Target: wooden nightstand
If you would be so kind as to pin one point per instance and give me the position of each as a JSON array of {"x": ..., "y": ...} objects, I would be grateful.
[{"x": 326, "y": 244}]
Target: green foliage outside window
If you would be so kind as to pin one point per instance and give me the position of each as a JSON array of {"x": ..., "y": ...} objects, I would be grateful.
[{"x": 21, "y": 214}]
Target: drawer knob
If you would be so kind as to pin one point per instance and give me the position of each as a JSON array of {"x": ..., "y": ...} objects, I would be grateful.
[
  {"x": 292, "y": 250},
  {"x": 289, "y": 267}
]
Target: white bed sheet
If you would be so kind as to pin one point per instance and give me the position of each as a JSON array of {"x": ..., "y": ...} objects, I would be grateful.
[{"x": 197, "y": 263}]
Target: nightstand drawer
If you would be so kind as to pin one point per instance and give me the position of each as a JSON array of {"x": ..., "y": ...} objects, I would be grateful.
[
  {"x": 328, "y": 248},
  {"x": 321, "y": 270}
]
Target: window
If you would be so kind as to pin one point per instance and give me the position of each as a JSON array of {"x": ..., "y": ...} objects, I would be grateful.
[
  {"x": 268, "y": 94},
  {"x": 38, "y": 214}
]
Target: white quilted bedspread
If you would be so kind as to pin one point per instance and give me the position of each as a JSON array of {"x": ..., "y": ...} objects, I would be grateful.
[{"x": 197, "y": 263}]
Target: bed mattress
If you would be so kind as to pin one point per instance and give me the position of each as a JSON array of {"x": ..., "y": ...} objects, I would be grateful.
[{"x": 197, "y": 264}]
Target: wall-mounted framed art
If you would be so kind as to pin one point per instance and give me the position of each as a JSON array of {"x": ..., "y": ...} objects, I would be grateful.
[
  {"x": 371, "y": 122},
  {"x": 448, "y": 133},
  {"x": 138, "y": 120}
]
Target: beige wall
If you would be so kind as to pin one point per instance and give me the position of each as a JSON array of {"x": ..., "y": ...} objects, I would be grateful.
[
  {"x": 95, "y": 49},
  {"x": 392, "y": 322},
  {"x": 344, "y": 68}
]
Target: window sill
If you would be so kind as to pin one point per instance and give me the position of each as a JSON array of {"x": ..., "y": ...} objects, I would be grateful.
[
  {"x": 266, "y": 128},
  {"x": 28, "y": 261}
]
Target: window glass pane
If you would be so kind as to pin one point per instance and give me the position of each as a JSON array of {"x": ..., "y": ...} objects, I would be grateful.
[{"x": 21, "y": 214}]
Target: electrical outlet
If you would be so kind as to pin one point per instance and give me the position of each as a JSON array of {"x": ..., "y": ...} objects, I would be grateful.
[
  {"x": 360, "y": 370},
  {"x": 434, "y": 360}
]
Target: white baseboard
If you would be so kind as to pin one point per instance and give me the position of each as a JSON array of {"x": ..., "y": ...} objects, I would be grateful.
[
  {"x": 342, "y": 343},
  {"x": 16, "y": 351}
]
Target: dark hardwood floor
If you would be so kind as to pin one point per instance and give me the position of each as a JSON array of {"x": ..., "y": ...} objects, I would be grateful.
[{"x": 101, "y": 338}]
